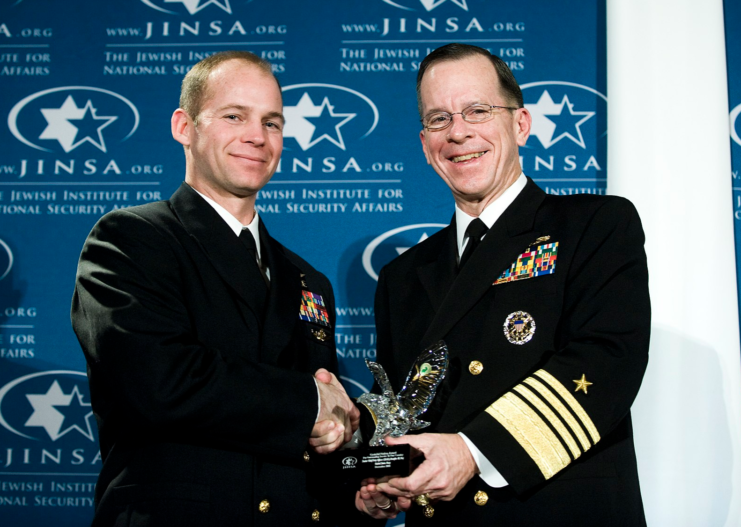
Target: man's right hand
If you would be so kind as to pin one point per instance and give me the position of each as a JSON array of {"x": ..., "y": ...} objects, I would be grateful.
[{"x": 338, "y": 415}]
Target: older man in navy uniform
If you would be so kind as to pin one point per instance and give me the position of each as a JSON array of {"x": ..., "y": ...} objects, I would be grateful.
[{"x": 543, "y": 303}]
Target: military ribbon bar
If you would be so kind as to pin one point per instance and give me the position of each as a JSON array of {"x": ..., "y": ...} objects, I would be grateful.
[
  {"x": 538, "y": 262},
  {"x": 313, "y": 309}
]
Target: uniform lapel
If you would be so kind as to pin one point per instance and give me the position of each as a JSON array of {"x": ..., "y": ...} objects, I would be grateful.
[
  {"x": 283, "y": 301},
  {"x": 438, "y": 274},
  {"x": 507, "y": 238},
  {"x": 226, "y": 252}
]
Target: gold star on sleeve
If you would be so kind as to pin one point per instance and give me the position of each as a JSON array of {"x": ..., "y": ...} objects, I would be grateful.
[{"x": 582, "y": 384}]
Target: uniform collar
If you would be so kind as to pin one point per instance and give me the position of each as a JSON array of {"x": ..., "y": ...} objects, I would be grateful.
[
  {"x": 490, "y": 214},
  {"x": 234, "y": 224}
]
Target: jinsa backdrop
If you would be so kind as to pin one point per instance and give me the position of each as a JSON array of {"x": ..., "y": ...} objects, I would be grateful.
[{"x": 88, "y": 89}]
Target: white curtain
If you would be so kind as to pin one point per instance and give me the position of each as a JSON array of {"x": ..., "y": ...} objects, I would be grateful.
[{"x": 669, "y": 153}]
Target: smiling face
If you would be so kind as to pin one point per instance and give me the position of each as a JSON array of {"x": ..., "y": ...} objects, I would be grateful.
[
  {"x": 235, "y": 148},
  {"x": 478, "y": 161}
]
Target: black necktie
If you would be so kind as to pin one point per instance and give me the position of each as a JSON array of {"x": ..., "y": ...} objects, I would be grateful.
[
  {"x": 474, "y": 232},
  {"x": 249, "y": 241}
]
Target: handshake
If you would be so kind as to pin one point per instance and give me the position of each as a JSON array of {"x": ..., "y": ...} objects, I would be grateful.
[
  {"x": 393, "y": 415},
  {"x": 338, "y": 415}
]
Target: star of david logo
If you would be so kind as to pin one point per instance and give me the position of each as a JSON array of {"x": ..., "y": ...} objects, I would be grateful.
[
  {"x": 59, "y": 413},
  {"x": 394, "y": 241},
  {"x": 71, "y": 126},
  {"x": 553, "y": 121},
  {"x": 308, "y": 123}
]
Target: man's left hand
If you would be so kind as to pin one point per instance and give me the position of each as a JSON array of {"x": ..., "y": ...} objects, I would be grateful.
[{"x": 447, "y": 467}]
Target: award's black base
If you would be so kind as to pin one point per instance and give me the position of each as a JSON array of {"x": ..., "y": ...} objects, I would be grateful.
[{"x": 366, "y": 462}]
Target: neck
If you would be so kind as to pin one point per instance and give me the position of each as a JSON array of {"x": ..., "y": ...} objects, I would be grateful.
[
  {"x": 474, "y": 208},
  {"x": 241, "y": 207}
]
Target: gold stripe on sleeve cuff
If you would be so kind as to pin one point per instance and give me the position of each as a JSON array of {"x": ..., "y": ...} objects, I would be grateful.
[
  {"x": 531, "y": 432},
  {"x": 552, "y": 418},
  {"x": 572, "y": 402},
  {"x": 567, "y": 416}
]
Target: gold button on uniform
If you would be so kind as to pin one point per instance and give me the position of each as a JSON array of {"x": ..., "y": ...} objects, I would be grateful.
[
  {"x": 475, "y": 367},
  {"x": 429, "y": 512},
  {"x": 306, "y": 457},
  {"x": 264, "y": 506},
  {"x": 315, "y": 515},
  {"x": 481, "y": 498}
]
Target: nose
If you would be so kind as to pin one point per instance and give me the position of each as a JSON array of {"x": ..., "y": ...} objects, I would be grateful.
[
  {"x": 253, "y": 132},
  {"x": 459, "y": 130}
]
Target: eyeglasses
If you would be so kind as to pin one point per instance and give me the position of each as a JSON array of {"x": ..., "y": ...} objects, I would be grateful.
[{"x": 476, "y": 113}]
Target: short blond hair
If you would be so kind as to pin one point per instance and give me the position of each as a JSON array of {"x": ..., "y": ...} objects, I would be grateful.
[{"x": 195, "y": 83}]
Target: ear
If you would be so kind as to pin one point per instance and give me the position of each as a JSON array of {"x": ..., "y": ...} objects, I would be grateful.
[
  {"x": 182, "y": 127},
  {"x": 523, "y": 122},
  {"x": 424, "y": 145}
]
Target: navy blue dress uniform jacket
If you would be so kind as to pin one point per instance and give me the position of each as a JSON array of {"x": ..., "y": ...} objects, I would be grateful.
[
  {"x": 203, "y": 393},
  {"x": 567, "y": 455}
]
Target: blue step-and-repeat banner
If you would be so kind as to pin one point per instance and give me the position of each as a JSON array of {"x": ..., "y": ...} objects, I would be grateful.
[
  {"x": 732, "y": 14},
  {"x": 88, "y": 89}
]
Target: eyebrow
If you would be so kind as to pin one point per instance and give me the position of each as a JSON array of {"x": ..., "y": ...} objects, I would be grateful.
[
  {"x": 277, "y": 115},
  {"x": 435, "y": 110},
  {"x": 241, "y": 107}
]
